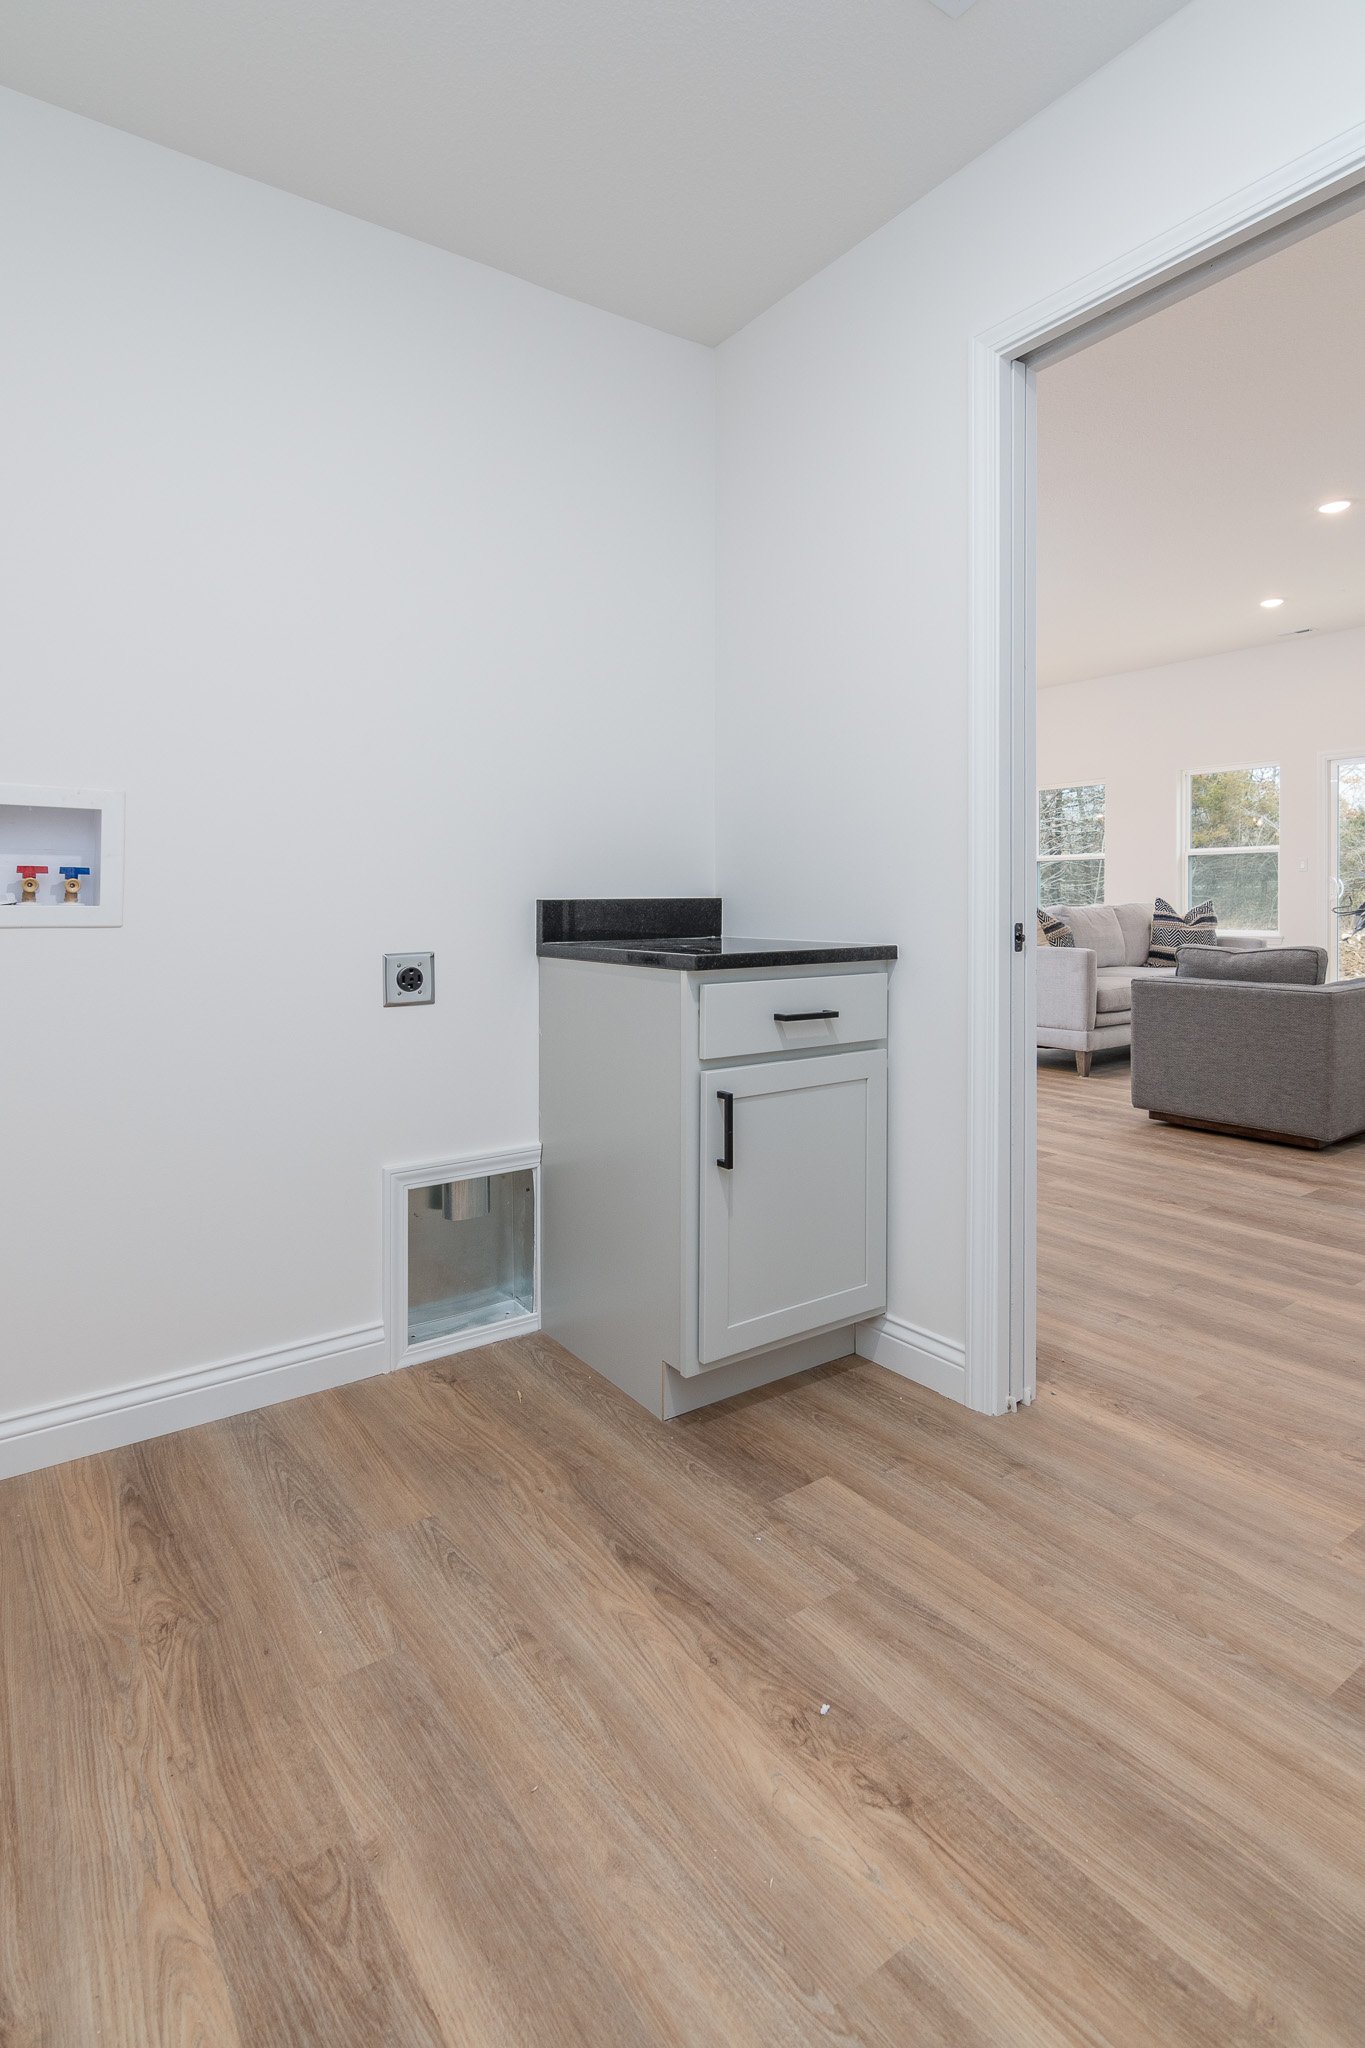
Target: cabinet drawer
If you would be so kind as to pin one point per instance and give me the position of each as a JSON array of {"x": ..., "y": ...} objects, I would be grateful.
[{"x": 743, "y": 1017}]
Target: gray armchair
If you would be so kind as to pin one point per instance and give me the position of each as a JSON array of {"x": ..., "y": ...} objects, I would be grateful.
[{"x": 1250, "y": 1056}]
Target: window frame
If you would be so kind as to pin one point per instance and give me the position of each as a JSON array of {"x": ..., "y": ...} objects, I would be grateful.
[
  {"x": 1041, "y": 859},
  {"x": 1188, "y": 850},
  {"x": 1330, "y": 764}
]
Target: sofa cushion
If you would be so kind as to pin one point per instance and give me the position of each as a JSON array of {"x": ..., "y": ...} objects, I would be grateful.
[
  {"x": 1304, "y": 965},
  {"x": 1053, "y": 930},
  {"x": 1171, "y": 931},
  {"x": 1135, "y": 922},
  {"x": 1114, "y": 987},
  {"x": 1095, "y": 925}
]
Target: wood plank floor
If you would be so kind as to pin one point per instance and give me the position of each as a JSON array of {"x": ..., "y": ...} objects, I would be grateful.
[{"x": 470, "y": 1706}]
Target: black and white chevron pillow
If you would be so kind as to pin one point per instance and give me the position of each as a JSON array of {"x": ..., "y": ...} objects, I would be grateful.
[
  {"x": 1054, "y": 931},
  {"x": 1171, "y": 931}
]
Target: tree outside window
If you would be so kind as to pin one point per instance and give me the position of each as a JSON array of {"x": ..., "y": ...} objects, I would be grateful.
[
  {"x": 1071, "y": 844},
  {"x": 1233, "y": 851}
]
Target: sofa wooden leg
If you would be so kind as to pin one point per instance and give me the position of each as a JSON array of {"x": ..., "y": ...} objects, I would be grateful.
[{"x": 1083, "y": 1060}]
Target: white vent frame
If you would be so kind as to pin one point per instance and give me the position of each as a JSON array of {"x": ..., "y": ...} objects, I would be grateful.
[{"x": 398, "y": 1181}]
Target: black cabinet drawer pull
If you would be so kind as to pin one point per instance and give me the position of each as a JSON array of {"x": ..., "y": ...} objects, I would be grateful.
[
  {"x": 802, "y": 1016},
  {"x": 727, "y": 1158}
]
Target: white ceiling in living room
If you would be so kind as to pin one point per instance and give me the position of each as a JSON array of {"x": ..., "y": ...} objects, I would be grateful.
[
  {"x": 1181, "y": 462},
  {"x": 684, "y": 164}
]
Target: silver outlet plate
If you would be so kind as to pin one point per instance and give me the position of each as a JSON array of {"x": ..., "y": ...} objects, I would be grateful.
[{"x": 409, "y": 978}]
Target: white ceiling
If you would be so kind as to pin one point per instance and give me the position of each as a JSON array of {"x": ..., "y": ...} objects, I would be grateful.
[
  {"x": 684, "y": 162},
  {"x": 1181, "y": 461}
]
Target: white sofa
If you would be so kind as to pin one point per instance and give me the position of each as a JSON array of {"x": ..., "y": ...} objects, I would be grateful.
[{"x": 1085, "y": 1000}]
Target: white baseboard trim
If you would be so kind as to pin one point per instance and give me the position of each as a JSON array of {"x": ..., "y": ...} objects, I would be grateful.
[
  {"x": 129, "y": 1415},
  {"x": 919, "y": 1355}
]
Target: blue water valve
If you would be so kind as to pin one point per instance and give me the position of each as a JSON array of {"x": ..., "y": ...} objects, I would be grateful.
[{"x": 72, "y": 880}]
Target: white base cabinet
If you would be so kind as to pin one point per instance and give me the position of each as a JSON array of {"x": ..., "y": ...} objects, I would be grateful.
[{"x": 682, "y": 1266}]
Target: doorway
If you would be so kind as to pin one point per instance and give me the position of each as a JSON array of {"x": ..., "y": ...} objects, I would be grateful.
[{"x": 1002, "y": 1104}]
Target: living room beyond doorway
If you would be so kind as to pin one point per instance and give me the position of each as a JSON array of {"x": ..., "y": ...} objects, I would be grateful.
[
  {"x": 1201, "y": 700},
  {"x": 1201, "y": 862}
]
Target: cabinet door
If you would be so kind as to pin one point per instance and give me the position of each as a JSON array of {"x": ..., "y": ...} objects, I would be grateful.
[{"x": 793, "y": 1230}]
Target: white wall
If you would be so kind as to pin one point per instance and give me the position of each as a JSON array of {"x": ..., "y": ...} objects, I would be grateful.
[
  {"x": 383, "y": 584},
  {"x": 844, "y": 529},
  {"x": 1140, "y": 735}
]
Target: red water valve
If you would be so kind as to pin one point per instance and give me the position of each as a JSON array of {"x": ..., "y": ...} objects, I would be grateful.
[{"x": 30, "y": 875}]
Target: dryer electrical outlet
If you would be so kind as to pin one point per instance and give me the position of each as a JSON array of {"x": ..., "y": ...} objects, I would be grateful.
[{"x": 409, "y": 978}]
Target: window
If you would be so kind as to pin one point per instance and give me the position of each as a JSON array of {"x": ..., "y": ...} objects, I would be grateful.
[
  {"x": 1233, "y": 846},
  {"x": 1071, "y": 844},
  {"x": 1348, "y": 864}
]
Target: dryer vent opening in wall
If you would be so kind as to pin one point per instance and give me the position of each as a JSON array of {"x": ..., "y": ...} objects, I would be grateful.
[{"x": 461, "y": 1254}]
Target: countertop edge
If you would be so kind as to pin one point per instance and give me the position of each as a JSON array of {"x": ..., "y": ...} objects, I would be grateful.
[{"x": 686, "y": 962}]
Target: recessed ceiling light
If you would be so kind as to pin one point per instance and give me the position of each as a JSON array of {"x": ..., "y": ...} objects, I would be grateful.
[
  {"x": 1336, "y": 505},
  {"x": 1270, "y": 604}
]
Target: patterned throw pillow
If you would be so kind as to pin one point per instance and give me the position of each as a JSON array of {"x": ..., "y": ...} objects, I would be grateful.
[
  {"x": 1054, "y": 931},
  {"x": 1171, "y": 931}
]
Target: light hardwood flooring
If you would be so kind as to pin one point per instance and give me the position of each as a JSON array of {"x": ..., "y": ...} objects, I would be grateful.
[{"x": 470, "y": 1706}]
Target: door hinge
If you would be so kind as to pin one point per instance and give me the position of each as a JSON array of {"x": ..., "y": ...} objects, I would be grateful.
[{"x": 1019, "y": 938}]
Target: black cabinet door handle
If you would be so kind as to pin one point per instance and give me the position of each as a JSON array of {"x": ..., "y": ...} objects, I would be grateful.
[
  {"x": 802, "y": 1016},
  {"x": 727, "y": 1158}
]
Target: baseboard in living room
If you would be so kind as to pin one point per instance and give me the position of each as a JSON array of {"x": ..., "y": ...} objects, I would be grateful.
[
  {"x": 919, "y": 1355},
  {"x": 129, "y": 1415}
]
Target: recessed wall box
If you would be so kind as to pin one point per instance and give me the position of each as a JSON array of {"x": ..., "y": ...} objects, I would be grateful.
[
  {"x": 55, "y": 836},
  {"x": 461, "y": 1254}
]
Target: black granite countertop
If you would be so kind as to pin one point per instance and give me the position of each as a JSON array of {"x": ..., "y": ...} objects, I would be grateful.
[{"x": 679, "y": 932}]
